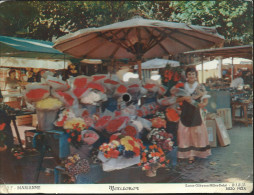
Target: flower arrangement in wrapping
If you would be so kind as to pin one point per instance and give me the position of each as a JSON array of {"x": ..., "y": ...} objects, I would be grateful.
[
  {"x": 56, "y": 83},
  {"x": 49, "y": 103},
  {"x": 73, "y": 127},
  {"x": 120, "y": 90},
  {"x": 65, "y": 115},
  {"x": 161, "y": 138},
  {"x": 152, "y": 156},
  {"x": 79, "y": 85},
  {"x": 158, "y": 122},
  {"x": 110, "y": 86},
  {"x": 67, "y": 97},
  {"x": 172, "y": 114},
  {"x": 119, "y": 144},
  {"x": 117, "y": 124},
  {"x": 35, "y": 92},
  {"x": 147, "y": 109},
  {"x": 98, "y": 77},
  {"x": 92, "y": 97},
  {"x": 167, "y": 101},
  {"x": 170, "y": 76},
  {"x": 74, "y": 165},
  {"x": 89, "y": 137},
  {"x": 130, "y": 130}
]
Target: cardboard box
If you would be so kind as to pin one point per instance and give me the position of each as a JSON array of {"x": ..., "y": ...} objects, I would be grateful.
[
  {"x": 225, "y": 113},
  {"x": 24, "y": 120},
  {"x": 222, "y": 133},
  {"x": 211, "y": 130}
]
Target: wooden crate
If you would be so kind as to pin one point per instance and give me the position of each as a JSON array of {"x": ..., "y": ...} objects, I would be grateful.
[
  {"x": 225, "y": 113},
  {"x": 34, "y": 120},
  {"x": 24, "y": 120}
]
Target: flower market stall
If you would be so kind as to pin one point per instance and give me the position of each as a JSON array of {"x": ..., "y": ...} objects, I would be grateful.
[
  {"x": 129, "y": 133},
  {"x": 99, "y": 124}
]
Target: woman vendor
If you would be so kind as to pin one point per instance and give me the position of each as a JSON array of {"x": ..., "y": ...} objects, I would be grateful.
[
  {"x": 192, "y": 133},
  {"x": 12, "y": 85}
]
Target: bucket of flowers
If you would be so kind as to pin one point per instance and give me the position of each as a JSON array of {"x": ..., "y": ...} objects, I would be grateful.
[
  {"x": 73, "y": 127},
  {"x": 152, "y": 158}
]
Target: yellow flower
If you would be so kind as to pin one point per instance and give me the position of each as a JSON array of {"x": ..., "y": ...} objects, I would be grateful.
[
  {"x": 74, "y": 122},
  {"x": 49, "y": 104}
]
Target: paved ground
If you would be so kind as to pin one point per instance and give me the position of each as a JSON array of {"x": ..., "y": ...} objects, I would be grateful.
[{"x": 226, "y": 164}]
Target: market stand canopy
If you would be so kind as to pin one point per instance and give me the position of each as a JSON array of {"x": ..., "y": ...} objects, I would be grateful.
[
  {"x": 137, "y": 38},
  {"x": 14, "y": 62},
  {"x": 28, "y": 48},
  {"x": 244, "y": 51},
  {"x": 157, "y": 63}
]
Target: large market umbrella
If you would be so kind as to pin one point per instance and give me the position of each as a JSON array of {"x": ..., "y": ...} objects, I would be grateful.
[{"x": 137, "y": 38}]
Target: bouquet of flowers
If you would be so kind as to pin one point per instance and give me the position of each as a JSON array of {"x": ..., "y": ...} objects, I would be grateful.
[
  {"x": 49, "y": 103},
  {"x": 170, "y": 76},
  {"x": 152, "y": 157},
  {"x": 172, "y": 114},
  {"x": 158, "y": 122},
  {"x": 56, "y": 83},
  {"x": 89, "y": 136},
  {"x": 35, "y": 92},
  {"x": 117, "y": 124},
  {"x": 73, "y": 127},
  {"x": 64, "y": 116},
  {"x": 161, "y": 138},
  {"x": 74, "y": 165},
  {"x": 121, "y": 145}
]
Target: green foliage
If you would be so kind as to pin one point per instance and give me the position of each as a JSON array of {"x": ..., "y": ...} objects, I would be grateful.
[
  {"x": 46, "y": 20},
  {"x": 15, "y": 17},
  {"x": 233, "y": 19}
]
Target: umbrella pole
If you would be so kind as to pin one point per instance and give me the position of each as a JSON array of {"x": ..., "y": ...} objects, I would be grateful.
[
  {"x": 220, "y": 68},
  {"x": 232, "y": 69},
  {"x": 202, "y": 78},
  {"x": 139, "y": 69}
]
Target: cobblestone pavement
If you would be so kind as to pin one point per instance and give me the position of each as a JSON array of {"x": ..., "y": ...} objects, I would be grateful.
[{"x": 226, "y": 164}]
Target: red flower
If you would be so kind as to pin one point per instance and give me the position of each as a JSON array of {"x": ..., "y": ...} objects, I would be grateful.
[
  {"x": 98, "y": 77},
  {"x": 78, "y": 91},
  {"x": 172, "y": 115},
  {"x": 69, "y": 139},
  {"x": 130, "y": 130},
  {"x": 179, "y": 85},
  {"x": 149, "y": 86},
  {"x": 176, "y": 77},
  {"x": 68, "y": 130},
  {"x": 67, "y": 97},
  {"x": 2, "y": 126},
  {"x": 72, "y": 134},
  {"x": 112, "y": 82},
  {"x": 80, "y": 82},
  {"x": 121, "y": 89},
  {"x": 103, "y": 121},
  {"x": 36, "y": 94}
]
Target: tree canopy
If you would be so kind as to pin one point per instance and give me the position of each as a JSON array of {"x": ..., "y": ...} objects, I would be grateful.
[{"x": 47, "y": 20}]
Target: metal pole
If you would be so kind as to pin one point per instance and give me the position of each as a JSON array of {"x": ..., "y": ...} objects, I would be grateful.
[
  {"x": 232, "y": 69},
  {"x": 139, "y": 69},
  {"x": 220, "y": 67},
  {"x": 202, "y": 69}
]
